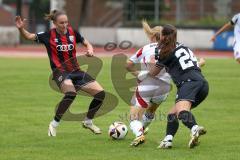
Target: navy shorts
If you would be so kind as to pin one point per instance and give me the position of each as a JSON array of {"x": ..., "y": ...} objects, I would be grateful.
[
  {"x": 193, "y": 91},
  {"x": 79, "y": 78}
]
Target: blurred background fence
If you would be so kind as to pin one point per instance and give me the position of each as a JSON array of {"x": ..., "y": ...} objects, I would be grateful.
[{"x": 103, "y": 21}]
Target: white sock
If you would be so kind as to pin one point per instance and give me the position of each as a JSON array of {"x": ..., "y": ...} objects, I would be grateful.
[
  {"x": 168, "y": 137},
  {"x": 147, "y": 119},
  {"x": 88, "y": 121},
  {"x": 137, "y": 127},
  {"x": 194, "y": 128},
  {"x": 54, "y": 123}
]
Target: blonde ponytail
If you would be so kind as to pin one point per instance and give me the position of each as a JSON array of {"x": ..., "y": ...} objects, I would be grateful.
[{"x": 151, "y": 32}]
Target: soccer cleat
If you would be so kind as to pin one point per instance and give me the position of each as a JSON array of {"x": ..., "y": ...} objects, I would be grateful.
[
  {"x": 195, "y": 134},
  {"x": 52, "y": 131},
  {"x": 138, "y": 140},
  {"x": 165, "y": 144},
  {"x": 91, "y": 127}
]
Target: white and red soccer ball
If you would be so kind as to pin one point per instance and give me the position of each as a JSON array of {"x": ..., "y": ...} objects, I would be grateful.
[{"x": 117, "y": 130}]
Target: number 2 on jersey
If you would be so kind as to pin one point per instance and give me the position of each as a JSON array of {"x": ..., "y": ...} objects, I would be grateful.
[{"x": 186, "y": 59}]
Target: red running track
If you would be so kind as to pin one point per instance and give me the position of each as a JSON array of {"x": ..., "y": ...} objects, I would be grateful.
[{"x": 40, "y": 51}]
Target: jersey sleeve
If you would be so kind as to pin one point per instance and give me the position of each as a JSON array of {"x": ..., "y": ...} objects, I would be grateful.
[
  {"x": 235, "y": 19},
  {"x": 135, "y": 58},
  {"x": 79, "y": 37},
  {"x": 42, "y": 37}
]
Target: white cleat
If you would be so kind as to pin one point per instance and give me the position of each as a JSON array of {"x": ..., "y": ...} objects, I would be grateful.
[
  {"x": 52, "y": 131},
  {"x": 195, "y": 134},
  {"x": 165, "y": 144},
  {"x": 91, "y": 127}
]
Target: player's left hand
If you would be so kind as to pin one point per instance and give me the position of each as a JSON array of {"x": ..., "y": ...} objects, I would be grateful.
[
  {"x": 89, "y": 53},
  {"x": 202, "y": 62}
]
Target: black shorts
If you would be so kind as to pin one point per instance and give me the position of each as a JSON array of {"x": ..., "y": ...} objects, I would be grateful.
[
  {"x": 194, "y": 91},
  {"x": 79, "y": 78}
]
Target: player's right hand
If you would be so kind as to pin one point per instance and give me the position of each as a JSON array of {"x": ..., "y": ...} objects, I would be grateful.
[
  {"x": 19, "y": 22},
  {"x": 213, "y": 39}
]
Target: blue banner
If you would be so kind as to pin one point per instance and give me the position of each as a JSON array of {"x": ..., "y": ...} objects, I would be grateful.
[{"x": 224, "y": 41}]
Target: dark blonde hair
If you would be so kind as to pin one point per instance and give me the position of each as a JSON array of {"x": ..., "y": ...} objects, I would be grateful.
[
  {"x": 151, "y": 32},
  {"x": 52, "y": 16},
  {"x": 168, "y": 43}
]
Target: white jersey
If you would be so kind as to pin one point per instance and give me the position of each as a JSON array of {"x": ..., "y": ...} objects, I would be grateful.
[
  {"x": 150, "y": 90},
  {"x": 236, "y": 22},
  {"x": 146, "y": 57}
]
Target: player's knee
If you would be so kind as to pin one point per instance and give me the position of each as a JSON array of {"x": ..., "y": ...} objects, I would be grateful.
[
  {"x": 134, "y": 116},
  {"x": 153, "y": 108},
  {"x": 238, "y": 60},
  {"x": 70, "y": 95},
  {"x": 100, "y": 95},
  {"x": 184, "y": 115}
]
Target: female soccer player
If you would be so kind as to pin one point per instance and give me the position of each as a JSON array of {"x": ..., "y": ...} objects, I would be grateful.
[
  {"x": 235, "y": 21},
  {"x": 192, "y": 88},
  {"x": 60, "y": 43},
  {"x": 150, "y": 92}
]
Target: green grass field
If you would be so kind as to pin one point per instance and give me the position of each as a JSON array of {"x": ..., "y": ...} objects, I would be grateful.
[{"x": 27, "y": 105}]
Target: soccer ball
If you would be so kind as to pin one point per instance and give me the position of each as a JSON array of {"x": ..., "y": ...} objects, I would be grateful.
[{"x": 117, "y": 130}]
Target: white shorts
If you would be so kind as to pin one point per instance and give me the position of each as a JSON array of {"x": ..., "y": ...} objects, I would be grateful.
[
  {"x": 236, "y": 50},
  {"x": 150, "y": 91}
]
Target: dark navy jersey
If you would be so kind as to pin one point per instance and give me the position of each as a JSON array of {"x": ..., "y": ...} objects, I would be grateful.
[
  {"x": 61, "y": 49},
  {"x": 181, "y": 64}
]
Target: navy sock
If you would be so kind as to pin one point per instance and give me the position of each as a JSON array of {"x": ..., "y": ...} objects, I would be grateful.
[
  {"x": 172, "y": 124},
  {"x": 187, "y": 119},
  {"x": 95, "y": 104},
  {"x": 64, "y": 105}
]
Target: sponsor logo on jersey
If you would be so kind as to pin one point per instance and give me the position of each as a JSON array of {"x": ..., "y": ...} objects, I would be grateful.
[{"x": 67, "y": 47}]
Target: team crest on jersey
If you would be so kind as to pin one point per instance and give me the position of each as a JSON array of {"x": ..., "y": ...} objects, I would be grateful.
[
  {"x": 60, "y": 78},
  {"x": 71, "y": 38},
  {"x": 56, "y": 40}
]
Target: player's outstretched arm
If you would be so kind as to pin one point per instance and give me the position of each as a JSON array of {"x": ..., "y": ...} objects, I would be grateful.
[
  {"x": 89, "y": 47},
  {"x": 20, "y": 25},
  {"x": 225, "y": 27}
]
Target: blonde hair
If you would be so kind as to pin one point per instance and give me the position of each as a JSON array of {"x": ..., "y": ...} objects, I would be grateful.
[
  {"x": 52, "y": 16},
  {"x": 151, "y": 32}
]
